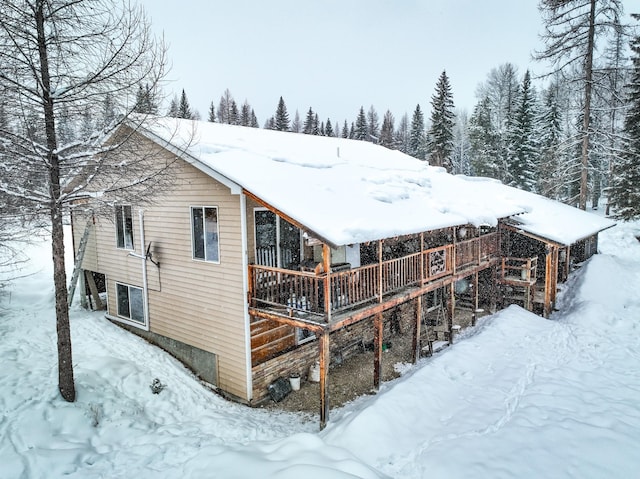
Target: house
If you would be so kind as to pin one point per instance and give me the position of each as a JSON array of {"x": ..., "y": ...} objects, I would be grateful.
[{"x": 273, "y": 251}]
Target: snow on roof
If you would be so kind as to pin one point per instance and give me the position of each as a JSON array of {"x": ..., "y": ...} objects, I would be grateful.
[{"x": 350, "y": 191}]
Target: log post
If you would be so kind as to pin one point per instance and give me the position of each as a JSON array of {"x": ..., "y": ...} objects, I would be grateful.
[
  {"x": 377, "y": 350},
  {"x": 475, "y": 299},
  {"x": 416, "y": 333},
  {"x": 326, "y": 264},
  {"x": 451, "y": 308},
  {"x": 380, "y": 271},
  {"x": 323, "y": 344},
  {"x": 547, "y": 281}
]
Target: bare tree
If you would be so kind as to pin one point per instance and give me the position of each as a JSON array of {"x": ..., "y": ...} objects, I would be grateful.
[
  {"x": 59, "y": 60},
  {"x": 572, "y": 30}
]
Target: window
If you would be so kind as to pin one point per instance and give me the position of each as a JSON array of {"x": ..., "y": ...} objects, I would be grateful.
[
  {"x": 124, "y": 227},
  {"x": 304, "y": 336},
  {"x": 130, "y": 303},
  {"x": 204, "y": 226}
]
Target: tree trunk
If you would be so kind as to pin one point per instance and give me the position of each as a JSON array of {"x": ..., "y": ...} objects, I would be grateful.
[
  {"x": 65, "y": 362},
  {"x": 587, "y": 108}
]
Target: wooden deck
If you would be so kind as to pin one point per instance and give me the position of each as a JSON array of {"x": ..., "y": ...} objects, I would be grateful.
[{"x": 303, "y": 294}]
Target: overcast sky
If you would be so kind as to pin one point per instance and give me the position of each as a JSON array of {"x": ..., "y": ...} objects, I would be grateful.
[{"x": 336, "y": 55}]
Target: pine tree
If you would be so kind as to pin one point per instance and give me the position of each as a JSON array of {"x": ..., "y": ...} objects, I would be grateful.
[
  {"x": 402, "y": 135},
  {"x": 282, "y": 117},
  {"x": 224, "y": 107},
  {"x": 254, "y": 120},
  {"x": 296, "y": 125},
  {"x": 234, "y": 116},
  {"x": 361, "y": 129},
  {"x": 483, "y": 140},
  {"x": 245, "y": 114},
  {"x": 184, "y": 109},
  {"x": 270, "y": 124},
  {"x": 329, "y": 128},
  {"x": 173, "y": 108},
  {"x": 461, "y": 146},
  {"x": 440, "y": 140},
  {"x": 145, "y": 100},
  {"x": 373, "y": 125},
  {"x": 212, "y": 113},
  {"x": 309, "y": 121},
  {"x": 417, "y": 135},
  {"x": 386, "y": 131},
  {"x": 524, "y": 158},
  {"x": 316, "y": 125},
  {"x": 345, "y": 130},
  {"x": 624, "y": 192},
  {"x": 551, "y": 139}
]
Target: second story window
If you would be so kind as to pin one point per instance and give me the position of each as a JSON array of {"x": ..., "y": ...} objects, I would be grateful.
[
  {"x": 204, "y": 228},
  {"x": 124, "y": 227}
]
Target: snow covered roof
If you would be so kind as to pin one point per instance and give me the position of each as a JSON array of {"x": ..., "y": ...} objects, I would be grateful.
[{"x": 350, "y": 191}]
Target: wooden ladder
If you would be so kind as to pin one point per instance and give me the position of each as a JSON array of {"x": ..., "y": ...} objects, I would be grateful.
[{"x": 77, "y": 266}]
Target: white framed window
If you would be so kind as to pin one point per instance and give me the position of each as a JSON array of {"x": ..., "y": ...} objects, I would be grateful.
[
  {"x": 204, "y": 233},
  {"x": 124, "y": 227},
  {"x": 130, "y": 303}
]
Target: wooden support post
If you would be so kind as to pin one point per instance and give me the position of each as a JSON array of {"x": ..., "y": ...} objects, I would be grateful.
[
  {"x": 547, "y": 282},
  {"x": 423, "y": 276},
  {"x": 476, "y": 283},
  {"x": 377, "y": 350},
  {"x": 451, "y": 309},
  {"x": 93, "y": 288},
  {"x": 323, "y": 344},
  {"x": 554, "y": 279},
  {"x": 416, "y": 333},
  {"x": 326, "y": 264},
  {"x": 83, "y": 290},
  {"x": 380, "y": 270}
]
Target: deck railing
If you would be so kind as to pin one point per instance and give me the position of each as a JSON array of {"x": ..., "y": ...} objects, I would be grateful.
[{"x": 304, "y": 292}]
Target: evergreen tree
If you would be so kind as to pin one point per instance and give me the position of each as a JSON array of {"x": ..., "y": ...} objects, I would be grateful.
[
  {"x": 245, "y": 114},
  {"x": 524, "y": 158},
  {"x": 345, "y": 130},
  {"x": 361, "y": 129},
  {"x": 373, "y": 125},
  {"x": 108, "y": 112},
  {"x": 296, "y": 125},
  {"x": 386, "y": 131},
  {"x": 224, "y": 108},
  {"x": 254, "y": 120},
  {"x": 440, "y": 142},
  {"x": 417, "y": 135},
  {"x": 322, "y": 130},
  {"x": 402, "y": 136},
  {"x": 184, "y": 109},
  {"x": 329, "y": 128},
  {"x": 173, "y": 108},
  {"x": 212, "y": 113},
  {"x": 316, "y": 125},
  {"x": 282, "y": 117},
  {"x": 461, "y": 147},
  {"x": 234, "y": 116},
  {"x": 551, "y": 139},
  {"x": 146, "y": 100},
  {"x": 624, "y": 192},
  {"x": 309, "y": 122},
  {"x": 483, "y": 140}
]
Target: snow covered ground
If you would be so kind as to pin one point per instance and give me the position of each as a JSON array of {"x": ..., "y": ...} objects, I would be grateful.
[{"x": 517, "y": 396}]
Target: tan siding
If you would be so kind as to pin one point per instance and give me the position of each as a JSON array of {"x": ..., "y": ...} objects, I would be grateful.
[{"x": 196, "y": 302}]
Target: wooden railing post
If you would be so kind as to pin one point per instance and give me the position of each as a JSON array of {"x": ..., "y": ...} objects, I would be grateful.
[
  {"x": 423, "y": 277},
  {"x": 326, "y": 263},
  {"x": 380, "y": 271}
]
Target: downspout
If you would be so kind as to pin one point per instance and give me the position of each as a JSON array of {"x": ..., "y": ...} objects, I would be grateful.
[
  {"x": 245, "y": 293},
  {"x": 143, "y": 257}
]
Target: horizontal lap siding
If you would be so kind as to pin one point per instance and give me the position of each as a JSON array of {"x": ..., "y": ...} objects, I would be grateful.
[{"x": 195, "y": 302}]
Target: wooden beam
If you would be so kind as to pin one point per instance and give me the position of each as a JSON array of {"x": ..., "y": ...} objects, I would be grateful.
[
  {"x": 93, "y": 288},
  {"x": 312, "y": 326},
  {"x": 323, "y": 345},
  {"x": 377, "y": 350},
  {"x": 380, "y": 271},
  {"x": 416, "y": 331},
  {"x": 547, "y": 283}
]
